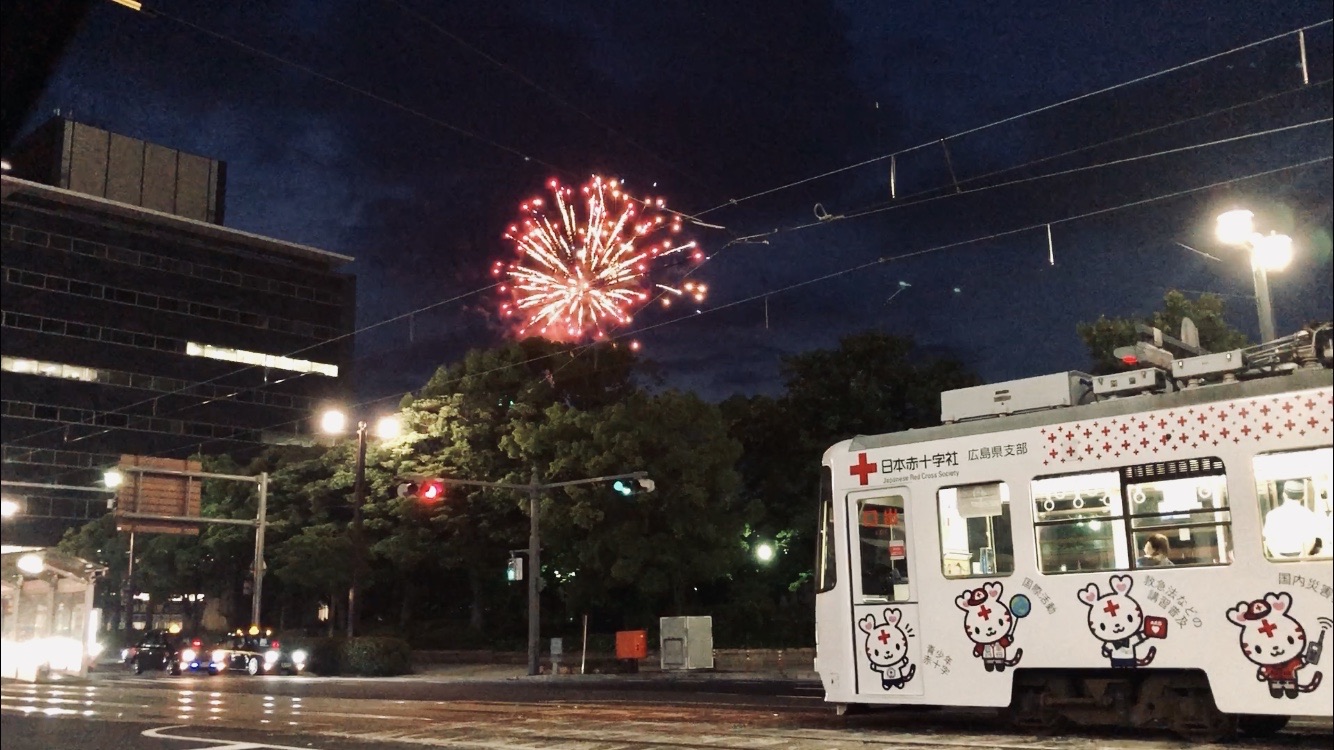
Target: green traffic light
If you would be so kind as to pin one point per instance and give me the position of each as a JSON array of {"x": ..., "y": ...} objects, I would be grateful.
[{"x": 623, "y": 488}]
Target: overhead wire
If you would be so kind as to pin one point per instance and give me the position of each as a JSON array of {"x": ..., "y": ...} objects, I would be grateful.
[
  {"x": 574, "y": 351},
  {"x": 937, "y": 141}
]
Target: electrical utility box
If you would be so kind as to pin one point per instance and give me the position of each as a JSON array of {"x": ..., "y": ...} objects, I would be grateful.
[
  {"x": 686, "y": 642},
  {"x": 1015, "y": 396}
]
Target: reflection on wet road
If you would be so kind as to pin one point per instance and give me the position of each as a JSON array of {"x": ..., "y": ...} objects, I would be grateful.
[{"x": 252, "y": 714}]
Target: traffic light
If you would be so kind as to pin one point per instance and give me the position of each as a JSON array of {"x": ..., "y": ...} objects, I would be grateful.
[
  {"x": 427, "y": 491},
  {"x": 514, "y": 569},
  {"x": 629, "y": 487}
]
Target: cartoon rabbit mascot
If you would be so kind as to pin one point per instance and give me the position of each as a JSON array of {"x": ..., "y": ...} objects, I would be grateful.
[
  {"x": 989, "y": 624},
  {"x": 887, "y": 648},
  {"x": 1117, "y": 621},
  {"x": 1275, "y": 642}
]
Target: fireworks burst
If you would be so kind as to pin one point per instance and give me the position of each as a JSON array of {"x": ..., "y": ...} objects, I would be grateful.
[{"x": 587, "y": 260}]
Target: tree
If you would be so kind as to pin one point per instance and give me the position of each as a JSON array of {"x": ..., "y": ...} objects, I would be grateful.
[
  {"x": 872, "y": 383},
  {"x": 646, "y": 555},
  {"x": 1104, "y": 335}
]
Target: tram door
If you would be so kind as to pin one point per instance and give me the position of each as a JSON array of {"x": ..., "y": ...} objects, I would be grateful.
[{"x": 886, "y": 636}]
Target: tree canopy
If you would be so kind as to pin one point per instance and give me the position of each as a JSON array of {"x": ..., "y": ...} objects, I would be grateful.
[{"x": 1207, "y": 311}]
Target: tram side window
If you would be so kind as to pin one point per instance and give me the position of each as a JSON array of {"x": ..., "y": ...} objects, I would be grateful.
[
  {"x": 826, "y": 567},
  {"x": 1179, "y": 512},
  {"x": 975, "y": 535},
  {"x": 1293, "y": 490},
  {"x": 1080, "y": 523},
  {"x": 884, "y": 548}
]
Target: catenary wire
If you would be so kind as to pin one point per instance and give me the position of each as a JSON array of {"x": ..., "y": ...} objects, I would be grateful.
[
  {"x": 843, "y": 272},
  {"x": 1012, "y": 118}
]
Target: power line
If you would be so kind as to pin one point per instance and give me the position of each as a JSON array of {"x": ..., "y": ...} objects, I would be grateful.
[
  {"x": 1061, "y": 173},
  {"x": 1012, "y": 118},
  {"x": 975, "y": 240},
  {"x": 575, "y": 351},
  {"x": 247, "y": 368}
]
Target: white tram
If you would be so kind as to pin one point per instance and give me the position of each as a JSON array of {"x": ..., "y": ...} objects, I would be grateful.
[{"x": 1150, "y": 548}]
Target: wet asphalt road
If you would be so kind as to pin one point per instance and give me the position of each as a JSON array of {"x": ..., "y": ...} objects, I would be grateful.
[{"x": 596, "y": 713}]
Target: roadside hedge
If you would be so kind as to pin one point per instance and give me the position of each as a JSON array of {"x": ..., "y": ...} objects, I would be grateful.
[{"x": 370, "y": 656}]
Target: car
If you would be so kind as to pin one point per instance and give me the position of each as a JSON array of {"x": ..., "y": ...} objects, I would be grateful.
[
  {"x": 254, "y": 653},
  {"x": 155, "y": 650}
]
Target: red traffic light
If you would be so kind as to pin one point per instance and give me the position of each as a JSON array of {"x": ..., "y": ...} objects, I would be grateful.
[
  {"x": 431, "y": 491},
  {"x": 427, "y": 490}
]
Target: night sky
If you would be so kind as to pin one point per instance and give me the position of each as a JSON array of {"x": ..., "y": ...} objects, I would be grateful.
[{"x": 463, "y": 110}]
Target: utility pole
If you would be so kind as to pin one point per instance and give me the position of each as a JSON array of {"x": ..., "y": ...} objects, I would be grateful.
[
  {"x": 358, "y": 540},
  {"x": 534, "y": 574},
  {"x": 534, "y": 489}
]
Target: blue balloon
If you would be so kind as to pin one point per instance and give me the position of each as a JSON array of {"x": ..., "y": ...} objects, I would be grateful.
[{"x": 1020, "y": 606}]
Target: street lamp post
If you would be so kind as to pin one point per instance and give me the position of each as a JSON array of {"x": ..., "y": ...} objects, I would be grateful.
[
  {"x": 387, "y": 428},
  {"x": 1271, "y": 252}
]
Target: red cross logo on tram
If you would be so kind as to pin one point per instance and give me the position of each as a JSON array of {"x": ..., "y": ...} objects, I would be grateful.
[
  {"x": 863, "y": 469},
  {"x": 1111, "y": 608},
  {"x": 1267, "y": 628}
]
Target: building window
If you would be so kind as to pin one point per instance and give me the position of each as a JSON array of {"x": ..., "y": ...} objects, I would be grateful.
[
  {"x": 975, "y": 534},
  {"x": 272, "y": 361},
  {"x": 1294, "y": 493},
  {"x": 47, "y": 369},
  {"x": 1176, "y": 511}
]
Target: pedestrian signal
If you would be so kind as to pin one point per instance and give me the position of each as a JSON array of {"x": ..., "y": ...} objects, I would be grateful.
[{"x": 514, "y": 569}]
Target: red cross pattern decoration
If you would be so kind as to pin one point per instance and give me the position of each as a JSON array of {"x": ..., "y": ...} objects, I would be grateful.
[
  {"x": 1265, "y": 422},
  {"x": 863, "y": 469}
]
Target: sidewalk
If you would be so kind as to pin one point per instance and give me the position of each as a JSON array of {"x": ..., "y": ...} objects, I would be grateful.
[{"x": 737, "y": 665}]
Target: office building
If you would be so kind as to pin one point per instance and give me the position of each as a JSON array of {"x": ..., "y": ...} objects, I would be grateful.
[{"x": 134, "y": 322}]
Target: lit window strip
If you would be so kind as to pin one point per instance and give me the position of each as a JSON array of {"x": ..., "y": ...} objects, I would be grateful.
[
  {"x": 48, "y": 369},
  {"x": 156, "y": 383},
  {"x": 57, "y": 327},
  {"x": 121, "y": 421},
  {"x": 272, "y": 361}
]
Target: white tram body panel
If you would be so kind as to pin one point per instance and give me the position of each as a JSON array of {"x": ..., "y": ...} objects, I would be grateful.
[{"x": 960, "y": 554}]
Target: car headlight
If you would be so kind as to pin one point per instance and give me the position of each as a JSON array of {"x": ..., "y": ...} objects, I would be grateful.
[
  {"x": 219, "y": 656},
  {"x": 270, "y": 656},
  {"x": 299, "y": 656},
  {"x": 188, "y": 655}
]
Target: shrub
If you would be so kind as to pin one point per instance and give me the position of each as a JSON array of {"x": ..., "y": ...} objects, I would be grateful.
[
  {"x": 322, "y": 654},
  {"x": 375, "y": 656}
]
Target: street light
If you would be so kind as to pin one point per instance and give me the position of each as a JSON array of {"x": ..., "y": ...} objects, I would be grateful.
[
  {"x": 764, "y": 552},
  {"x": 8, "y": 508},
  {"x": 1271, "y": 252},
  {"x": 112, "y": 478},
  {"x": 386, "y": 428}
]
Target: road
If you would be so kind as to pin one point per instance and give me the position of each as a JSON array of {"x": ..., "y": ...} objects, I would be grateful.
[{"x": 237, "y": 713}]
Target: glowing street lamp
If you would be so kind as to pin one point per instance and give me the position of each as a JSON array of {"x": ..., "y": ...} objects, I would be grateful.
[
  {"x": 334, "y": 422},
  {"x": 8, "y": 508},
  {"x": 31, "y": 564},
  {"x": 112, "y": 478},
  {"x": 1271, "y": 252},
  {"x": 764, "y": 552}
]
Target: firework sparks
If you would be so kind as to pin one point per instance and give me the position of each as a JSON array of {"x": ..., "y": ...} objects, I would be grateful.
[{"x": 587, "y": 261}]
